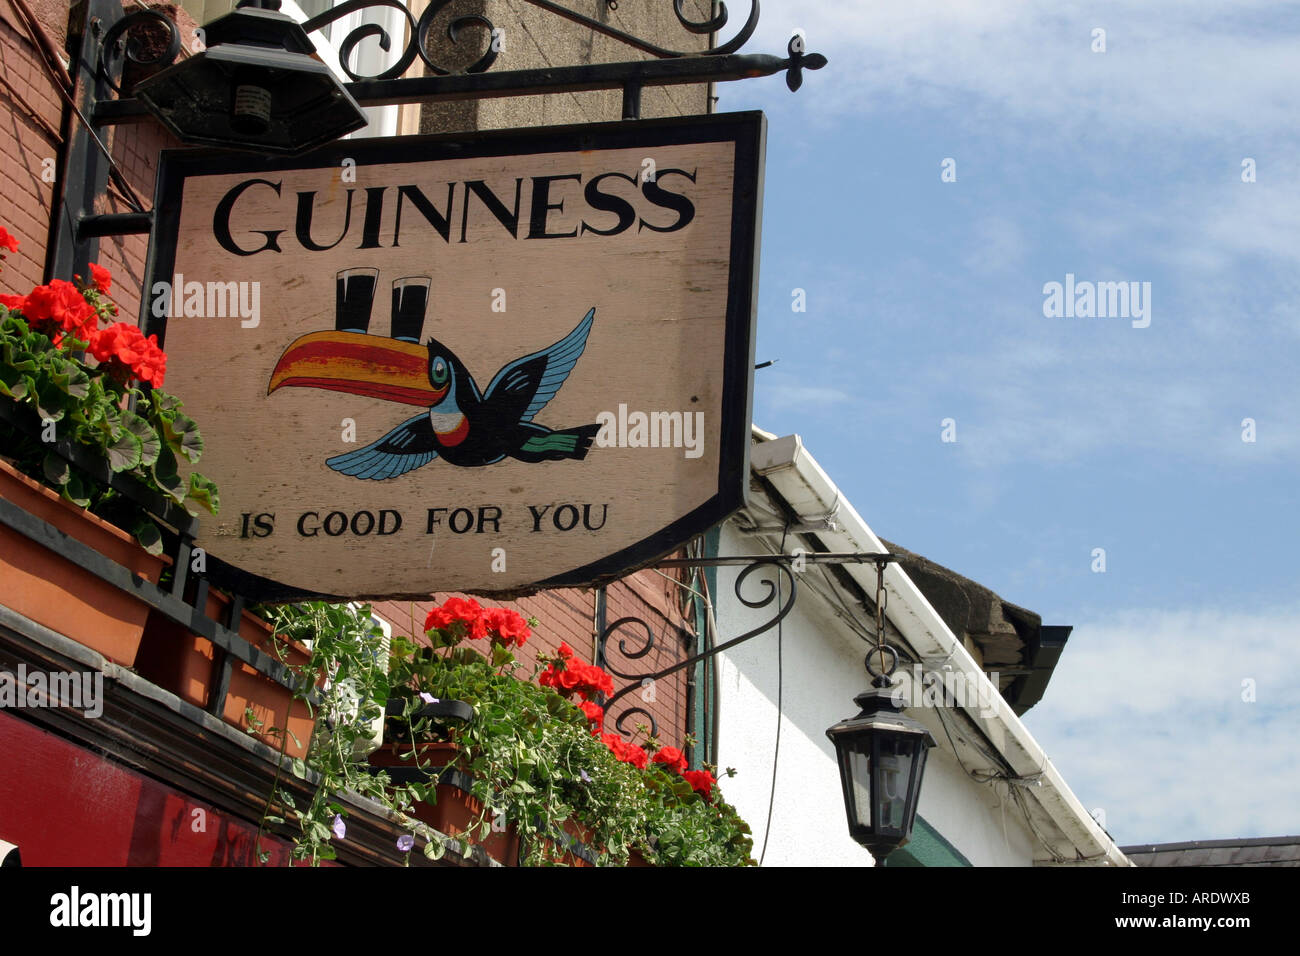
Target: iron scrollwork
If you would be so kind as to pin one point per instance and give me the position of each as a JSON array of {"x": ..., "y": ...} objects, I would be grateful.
[
  {"x": 602, "y": 658},
  {"x": 780, "y": 587},
  {"x": 420, "y": 30},
  {"x": 135, "y": 37},
  {"x": 419, "y": 33}
]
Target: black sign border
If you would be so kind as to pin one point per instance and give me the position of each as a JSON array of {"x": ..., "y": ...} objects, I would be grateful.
[{"x": 747, "y": 130}]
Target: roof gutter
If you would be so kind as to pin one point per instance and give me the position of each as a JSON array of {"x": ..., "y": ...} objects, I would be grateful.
[{"x": 809, "y": 491}]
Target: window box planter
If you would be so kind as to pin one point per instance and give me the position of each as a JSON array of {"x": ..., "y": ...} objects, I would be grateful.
[
  {"x": 178, "y": 660},
  {"x": 456, "y": 808},
  {"x": 39, "y": 583}
]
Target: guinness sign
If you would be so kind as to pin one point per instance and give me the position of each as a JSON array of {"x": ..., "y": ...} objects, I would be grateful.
[{"x": 492, "y": 365}]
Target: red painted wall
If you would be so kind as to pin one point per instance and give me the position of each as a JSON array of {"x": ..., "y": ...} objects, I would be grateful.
[{"x": 62, "y": 805}]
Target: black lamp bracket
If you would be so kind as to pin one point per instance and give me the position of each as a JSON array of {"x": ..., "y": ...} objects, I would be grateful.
[
  {"x": 666, "y": 66},
  {"x": 780, "y": 590},
  {"x": 779, "y": 578}
]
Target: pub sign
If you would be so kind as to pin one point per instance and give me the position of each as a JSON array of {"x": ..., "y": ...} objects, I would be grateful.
[{"x": 488, "y": 364}]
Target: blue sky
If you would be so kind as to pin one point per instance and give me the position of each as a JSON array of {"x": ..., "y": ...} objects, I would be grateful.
[{"x": 925, "y": 302}]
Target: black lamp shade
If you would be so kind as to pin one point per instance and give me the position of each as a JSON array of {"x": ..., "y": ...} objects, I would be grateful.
[
  {"x": 882, "y": 760},
  {"x": 256, "y": 87}
]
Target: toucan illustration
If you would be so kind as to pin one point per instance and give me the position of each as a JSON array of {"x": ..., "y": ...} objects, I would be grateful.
[{"x": 461, "y": 424}]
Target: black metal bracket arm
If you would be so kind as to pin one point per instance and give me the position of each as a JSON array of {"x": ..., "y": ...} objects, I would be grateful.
[
  {"x": 109, "y": 39},
  {"x": 786, "y": 565},
  {"x": 566, "y": 79},
  {"x": 780, "y": 590},
  {"x": 811, "y": 557},
  {"x": 667, "y": 67}
]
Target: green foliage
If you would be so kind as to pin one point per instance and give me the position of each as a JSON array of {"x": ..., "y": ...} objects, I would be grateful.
[
  {"x": 534, "y": 760},
  {"x": 345, "y": 645},
  {"x": 529, "y": 751},
  {"x": 89, "y": 408}
]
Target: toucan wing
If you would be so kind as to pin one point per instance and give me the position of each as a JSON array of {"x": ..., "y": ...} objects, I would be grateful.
[
  {"x": 407, "y": 447},
  {"x": 521, "y": 389}
]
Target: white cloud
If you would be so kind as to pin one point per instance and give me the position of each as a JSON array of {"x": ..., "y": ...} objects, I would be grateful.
[
  {"x": 1211, "y": 69},
  {"x": 1144, "y": 717}
]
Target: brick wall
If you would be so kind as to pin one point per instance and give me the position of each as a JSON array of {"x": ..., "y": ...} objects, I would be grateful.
[{"x": 32, "y": 113}]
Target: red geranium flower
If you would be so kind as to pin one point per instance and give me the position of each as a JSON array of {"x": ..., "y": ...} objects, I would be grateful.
[
  {"x": 508, "y": 625},
  {"x": 14, "y": 303},
  {"x": 598, "y": 680},
  {"x": 7, "y": 241},
  {"x": 128, "y": 354},
  {"x": 672, "y": 758},
  {"x": 436, "y": 619},
  {"x": 565, "y": 650},
  {"x": 570, "y": 677},
  {"x": 60, "y": 307},
  {"x": 102, "y": 278},
  {"x": 624, "y": 751},
  {"x": 456, "y": 610},
  {"x": 701, "y": 781},
  {"x": 594, "y": 712},
  {"x": 463, "y": 609}
]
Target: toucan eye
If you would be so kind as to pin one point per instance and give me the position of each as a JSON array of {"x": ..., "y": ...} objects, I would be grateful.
[{"x": 439, "y": 372}]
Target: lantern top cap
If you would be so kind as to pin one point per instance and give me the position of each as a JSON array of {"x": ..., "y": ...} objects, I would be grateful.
[
  {"x": 259, "y": 26},
  {"x": 881, "y": 709}
]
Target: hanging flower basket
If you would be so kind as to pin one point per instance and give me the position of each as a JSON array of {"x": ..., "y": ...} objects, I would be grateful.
[{"x": 455, "y": 810}]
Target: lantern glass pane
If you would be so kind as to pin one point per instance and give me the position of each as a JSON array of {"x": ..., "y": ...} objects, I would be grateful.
[
  {"x": 893, "y": 774},
  {"x": 918, "y": 770},
  {"x": 859, "y": 768}
]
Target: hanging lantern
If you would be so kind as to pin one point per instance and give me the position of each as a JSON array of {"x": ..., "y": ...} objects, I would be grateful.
[{"x": 256, "y": 87}]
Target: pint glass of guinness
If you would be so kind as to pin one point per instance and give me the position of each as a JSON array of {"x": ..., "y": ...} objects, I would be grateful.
[
  {"x": 354, "y": 295},
  {"x": 410, "y": 298}
]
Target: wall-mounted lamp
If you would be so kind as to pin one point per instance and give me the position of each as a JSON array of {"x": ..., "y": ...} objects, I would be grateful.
[{"x": 257, "y": 86}]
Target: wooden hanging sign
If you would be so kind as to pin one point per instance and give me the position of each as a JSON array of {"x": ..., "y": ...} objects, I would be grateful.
[{"x": 495, "y": 364}]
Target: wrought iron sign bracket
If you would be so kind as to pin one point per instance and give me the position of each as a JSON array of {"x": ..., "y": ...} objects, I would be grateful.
[
  {"x": 781, "y": 589},
  {"x": 668, "y": 67},
  {"x": 630, "y": 77}
]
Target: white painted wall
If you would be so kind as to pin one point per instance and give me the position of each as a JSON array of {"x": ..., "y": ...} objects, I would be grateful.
[{"x": 822, "y": 674}]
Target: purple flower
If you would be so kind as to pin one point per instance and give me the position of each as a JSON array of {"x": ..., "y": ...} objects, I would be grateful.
[
  {"x": 340, "y": 828},
  {"x": 585, "y": 778},
  {"x": 428, "y": 698},
  {"x": 405, "y": 842}
]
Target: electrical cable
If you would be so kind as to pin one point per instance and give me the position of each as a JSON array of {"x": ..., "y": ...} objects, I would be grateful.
[
  {"x": 780, "y": 690},
  {"x": 991, "y": 780},
  {"x": 54, "y": 135},
  {"x": 58, "y": 77}
]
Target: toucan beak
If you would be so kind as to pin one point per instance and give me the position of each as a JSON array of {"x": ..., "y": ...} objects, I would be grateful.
[{"x": 360, "y": 364}]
